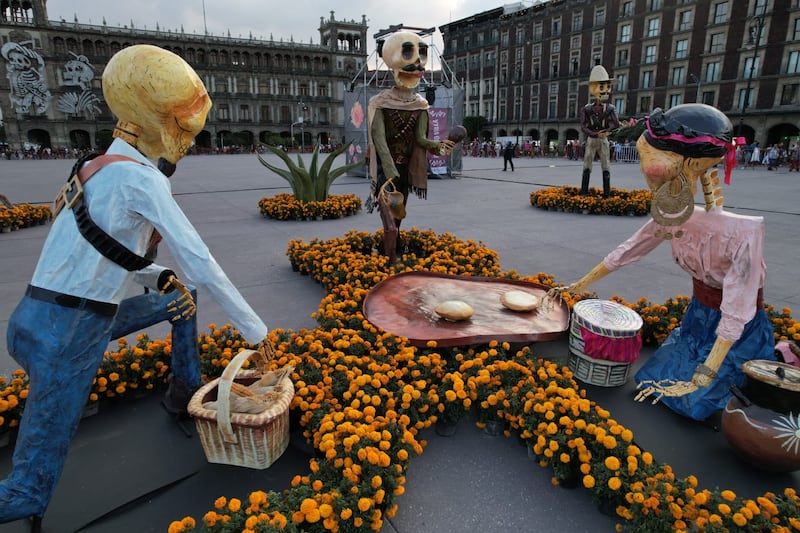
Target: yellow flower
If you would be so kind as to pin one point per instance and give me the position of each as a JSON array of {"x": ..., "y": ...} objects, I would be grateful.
[
  {"x": 364, "y": 504},
  {"x": 588, "y": 482},
  {"x": 614, "y": 483},
  {"x": 612, "y": 463}
]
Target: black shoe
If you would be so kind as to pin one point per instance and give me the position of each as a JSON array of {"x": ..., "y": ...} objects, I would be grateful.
[{"x": 176, "y": 399}]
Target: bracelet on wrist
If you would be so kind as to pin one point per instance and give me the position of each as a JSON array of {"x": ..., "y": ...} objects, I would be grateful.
[{"x": 705, "y": 370}]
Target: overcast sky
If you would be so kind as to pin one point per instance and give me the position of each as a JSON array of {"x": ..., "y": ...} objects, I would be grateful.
[{"x": 298, "y": 19}]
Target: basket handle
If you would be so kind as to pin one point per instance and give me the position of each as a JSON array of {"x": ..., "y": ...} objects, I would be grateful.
[{"x": 224, "y": 391}]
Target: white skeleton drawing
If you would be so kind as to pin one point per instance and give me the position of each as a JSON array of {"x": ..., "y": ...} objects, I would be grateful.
[
  {"x": 27, "y": 80},
  {"x": 80, "y": 73}
]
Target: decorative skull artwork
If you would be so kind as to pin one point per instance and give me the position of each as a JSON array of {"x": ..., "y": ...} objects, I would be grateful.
[
  {"x": 406, "y": 54},
  {"x": 159, "y": 100},
  {"x": 78, "y": 72},
  {"x": 26, "y": 76}
]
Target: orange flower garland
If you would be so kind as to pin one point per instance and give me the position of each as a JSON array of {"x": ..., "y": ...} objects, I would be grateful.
[{"x": 362, "y": 397}]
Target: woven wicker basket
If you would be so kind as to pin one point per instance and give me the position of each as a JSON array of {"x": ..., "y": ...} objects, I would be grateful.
[
  {"x": 248, "y": 440},
  {"x": 599, "y": 372}
]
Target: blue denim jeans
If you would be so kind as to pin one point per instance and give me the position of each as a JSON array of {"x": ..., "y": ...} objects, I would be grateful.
[
  {"x": 139, "y": 312},
  {"x": 61, "y": 349}
]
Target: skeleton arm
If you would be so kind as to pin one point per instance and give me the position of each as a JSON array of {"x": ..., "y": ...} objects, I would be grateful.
[
  {"x": 378, "y": 133},
  {"x": 595, "y": 274}
]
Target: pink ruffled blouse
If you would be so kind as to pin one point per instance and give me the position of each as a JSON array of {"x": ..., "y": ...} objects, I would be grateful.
[{"x": 723, "y": 250}]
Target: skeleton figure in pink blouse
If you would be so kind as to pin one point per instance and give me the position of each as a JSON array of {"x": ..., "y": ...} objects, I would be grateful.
[{"x": 725, "y": 324}]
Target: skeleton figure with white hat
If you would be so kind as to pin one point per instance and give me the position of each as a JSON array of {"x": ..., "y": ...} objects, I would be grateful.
[{"x": 597, "y": 120}]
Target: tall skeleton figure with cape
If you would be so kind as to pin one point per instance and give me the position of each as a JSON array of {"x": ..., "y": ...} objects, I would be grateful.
[{"x": 398, "y": 128}]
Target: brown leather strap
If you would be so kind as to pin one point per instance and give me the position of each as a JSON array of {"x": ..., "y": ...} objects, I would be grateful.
[
  {"x": 92, "y": 167},
  {"x": 712, "y": 297}
]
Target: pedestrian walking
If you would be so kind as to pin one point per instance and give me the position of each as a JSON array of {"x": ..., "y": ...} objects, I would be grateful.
[{"x": 508, "y": 156}]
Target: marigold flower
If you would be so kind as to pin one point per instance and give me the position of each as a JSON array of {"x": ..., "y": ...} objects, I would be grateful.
[
  {"x": 364, "y": 504},
  {"x": 588, "y": 482},
  {"x": 612, "y": 463},
  {"x": 614, "y": 483},
  {"x": 210, "y": 518}
]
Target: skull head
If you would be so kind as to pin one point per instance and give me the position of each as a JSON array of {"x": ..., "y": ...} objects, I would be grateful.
[
  {"x": 159, "y": 95},
  {"x": 600, "y": 84},
  {"x": 18, "y": 61},
  {"x": 18, "y": 56},
  {"x": 78, "y": 71},
  {"x": 406, "y": 54}
]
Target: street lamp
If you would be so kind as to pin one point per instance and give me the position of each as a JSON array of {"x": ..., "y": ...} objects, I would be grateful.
[
  {"x": 291, "y": 128},
  {"x": 697, "y": 81},
  {"x": 759, "y": 19},
  {"x": 300, "y": 120}
]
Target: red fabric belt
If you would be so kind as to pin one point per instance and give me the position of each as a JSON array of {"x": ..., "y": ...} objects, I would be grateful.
[{"x": 712, "y": 297}]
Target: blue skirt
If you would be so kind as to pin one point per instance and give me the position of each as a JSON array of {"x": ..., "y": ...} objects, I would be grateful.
[{"x": 689, "y": 345}]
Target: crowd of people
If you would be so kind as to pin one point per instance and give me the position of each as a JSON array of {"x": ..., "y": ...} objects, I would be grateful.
[
  {"x": 753, "y": 156},
  {"x": 46, "y": 152},
  {"x": 571, "y": 149}
]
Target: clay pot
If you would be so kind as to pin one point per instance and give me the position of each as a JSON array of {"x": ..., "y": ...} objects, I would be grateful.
[
  {"x": 773, "y": 385},
  {"x": 767, "y": 439}
]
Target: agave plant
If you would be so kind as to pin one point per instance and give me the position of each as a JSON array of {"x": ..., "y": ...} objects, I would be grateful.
[{"x": 309, "y": 184}]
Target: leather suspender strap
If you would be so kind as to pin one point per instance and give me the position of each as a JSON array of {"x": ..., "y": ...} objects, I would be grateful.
[
  {"x": 71, "y": 197},
  {"x": 95, "y": 164}
]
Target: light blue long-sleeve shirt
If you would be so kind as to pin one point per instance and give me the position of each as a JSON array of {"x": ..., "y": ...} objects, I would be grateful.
[{"x": 128, "y": 200}]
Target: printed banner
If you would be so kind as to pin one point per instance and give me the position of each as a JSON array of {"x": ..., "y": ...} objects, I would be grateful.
[{"x": 437, "y": 130}]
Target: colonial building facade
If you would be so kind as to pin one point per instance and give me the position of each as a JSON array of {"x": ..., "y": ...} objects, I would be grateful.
[
  {"x": 51, "y": 95},
  {"x": 525, "y": 67}
]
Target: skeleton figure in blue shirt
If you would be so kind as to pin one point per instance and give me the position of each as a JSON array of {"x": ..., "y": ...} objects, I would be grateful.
[{"x": 115, "y": 207}]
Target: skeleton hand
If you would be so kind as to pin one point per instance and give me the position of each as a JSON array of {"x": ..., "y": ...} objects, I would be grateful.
[
  {"x": 551, "y": 297},
  {"x": 266, "y": 349},
  {"x": 183, "y": 306},
  {"x": 445, "y": 147},
  {"x": 664, "y": 387}
]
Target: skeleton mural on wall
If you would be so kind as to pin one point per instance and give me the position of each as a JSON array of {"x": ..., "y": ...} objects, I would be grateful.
[
  {"x": 27, "y": 80},
  {"x": 78, "y": 72}
]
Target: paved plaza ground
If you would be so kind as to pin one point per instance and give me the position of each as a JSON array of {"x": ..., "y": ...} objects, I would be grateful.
[{"x": 132, "y": 470}]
